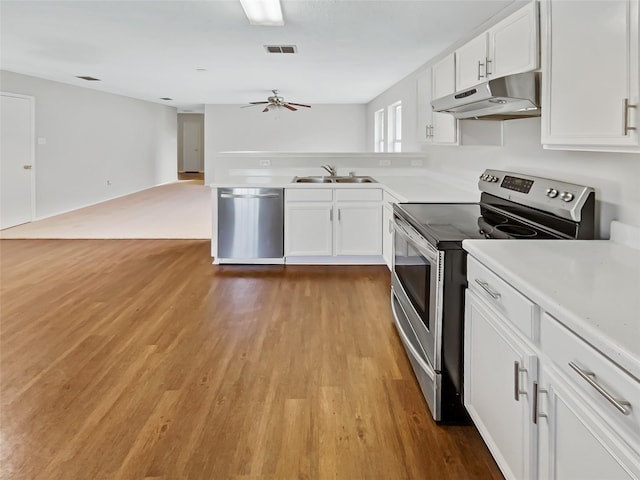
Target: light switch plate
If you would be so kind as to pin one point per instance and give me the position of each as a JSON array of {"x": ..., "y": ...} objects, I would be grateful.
[{"x": 265, "y": 162}]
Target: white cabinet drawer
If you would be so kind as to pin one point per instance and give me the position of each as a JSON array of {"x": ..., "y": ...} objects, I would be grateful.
[
  {"x": 358, "y": 195},
  {"x": 597, "y": 378},
  {"x": 308, "y": 195},
  {"x": 514, "y": 306}
]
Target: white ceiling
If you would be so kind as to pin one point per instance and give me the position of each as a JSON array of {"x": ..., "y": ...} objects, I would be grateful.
[{"x": 349, "y": 51}]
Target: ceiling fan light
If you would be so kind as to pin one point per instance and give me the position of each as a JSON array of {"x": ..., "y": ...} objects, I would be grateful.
[{"x": 263, "y": 12}]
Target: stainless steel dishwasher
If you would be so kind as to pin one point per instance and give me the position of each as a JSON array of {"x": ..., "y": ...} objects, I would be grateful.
[{"x": 250, "y": 224}]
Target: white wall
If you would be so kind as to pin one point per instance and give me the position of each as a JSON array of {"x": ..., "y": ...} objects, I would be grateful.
[
  {"x": 615, "y": 176},
  {"x": 322, "y": 128},
  {"x": 93, "y": 137}
]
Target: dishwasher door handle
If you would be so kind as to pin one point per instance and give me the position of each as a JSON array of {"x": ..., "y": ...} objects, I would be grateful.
[{"x": 257, "y": 195}]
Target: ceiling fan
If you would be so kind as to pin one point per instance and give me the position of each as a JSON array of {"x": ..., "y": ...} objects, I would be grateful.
[{"x": 275, "y": 101}]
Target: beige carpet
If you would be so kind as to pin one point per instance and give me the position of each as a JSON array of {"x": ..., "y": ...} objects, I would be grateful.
[{"x": 177, "y": 210}]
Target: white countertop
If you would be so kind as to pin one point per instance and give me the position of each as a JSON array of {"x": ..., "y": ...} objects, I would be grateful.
[
  {"x": 590, "y": 286},
  {"x": 428, "y": 187}
]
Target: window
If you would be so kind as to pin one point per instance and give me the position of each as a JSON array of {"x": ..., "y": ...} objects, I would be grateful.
[
  {"x": 395, "y": 127},
  {"x": 378, "y": 132}
]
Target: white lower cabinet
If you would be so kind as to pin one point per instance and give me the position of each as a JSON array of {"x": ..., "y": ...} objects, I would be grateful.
[
  {"x": 574, "y": 442},
  {"x": 499, "y": 373},
  {"x": 358, "y": 229},
  {"x": 308, "y": 229},
  {"x": 387, "y": 227},
  {"x": 548, "y": 405},
  {"x": 328, "y": 222}
]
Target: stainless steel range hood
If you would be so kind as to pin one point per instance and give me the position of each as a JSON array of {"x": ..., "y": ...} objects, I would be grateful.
[{"x": 506, "y": 98}]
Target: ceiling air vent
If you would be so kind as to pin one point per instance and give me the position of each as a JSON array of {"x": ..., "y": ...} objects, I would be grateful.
[
  {"x": 281, "y": 48},
  {"x": 89, "y": 79}
]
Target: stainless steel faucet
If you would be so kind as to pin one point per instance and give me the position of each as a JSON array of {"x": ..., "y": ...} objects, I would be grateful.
[{"x": 333, "y": 171}]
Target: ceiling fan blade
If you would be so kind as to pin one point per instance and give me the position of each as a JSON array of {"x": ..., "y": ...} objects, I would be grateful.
[
  {"x": 257, "y": 103},
  {"x": 266, "y": 109},
  {"x": 245, "y": 106},
  {"x": 299, "y": 104},
  {"x": 286, "y": 105}
]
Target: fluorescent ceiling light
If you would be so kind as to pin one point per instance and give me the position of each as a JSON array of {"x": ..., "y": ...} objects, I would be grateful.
[{"x": 263, "y": 12}]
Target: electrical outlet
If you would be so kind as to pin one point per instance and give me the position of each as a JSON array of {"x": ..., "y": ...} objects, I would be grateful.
[
  {"x": 416, "y": 163},
  {"x": 265, "y": 162},
  {"x": 385, "y": 163}
]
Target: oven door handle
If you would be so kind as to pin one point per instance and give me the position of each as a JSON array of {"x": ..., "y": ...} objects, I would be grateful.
[{"x": 407, "y": 231}]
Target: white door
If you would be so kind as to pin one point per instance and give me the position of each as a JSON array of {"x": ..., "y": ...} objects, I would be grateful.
[
  {"x": 308, "y": 229},
  {"x": 498, "y": 371},
  {"x": 359, "y": 229},
  {"x": 471, "y": 63},
  {"x": 17, "y": 156},
  {"x": 192, "y": 144}
]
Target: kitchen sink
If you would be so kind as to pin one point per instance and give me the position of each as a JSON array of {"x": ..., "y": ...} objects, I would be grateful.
[
  {"x": 312, "y": 180},
  {"x": 328, "y": 179},
  {"x": 354, "y": 180}
]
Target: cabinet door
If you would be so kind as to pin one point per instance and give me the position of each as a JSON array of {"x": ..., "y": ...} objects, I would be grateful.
[
  {"x": 445, "y": 128},
  {"x": 387, "y": 232},
  {"x": 444, "y": 125},
  {"x": 499, "y": 370},
  {"x": 358, "y": 229},
  {"x": 574, "y": 443},
  {"x": 443, "y": 76},
  {"x": 513, "y": 43},
  {"x": 471, "y": 63},
  {"x": 591, "y": 59},
  {"x": 424, "y": 112},
  {"x": 308, "y": 229}
]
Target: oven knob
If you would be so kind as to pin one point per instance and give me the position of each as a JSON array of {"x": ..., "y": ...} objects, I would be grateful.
[
  {"x": 566, "y": 196},
  {"x": 552, "y": 192},
  {"x": 494, "y": 179}
]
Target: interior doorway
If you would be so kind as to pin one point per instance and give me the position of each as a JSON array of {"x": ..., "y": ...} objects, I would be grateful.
[
  {"x": 190, "y": 143},
  {"x": 17, "y": 159}
]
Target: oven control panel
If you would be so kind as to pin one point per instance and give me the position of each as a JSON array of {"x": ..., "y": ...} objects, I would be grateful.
[{"x": 561, "y": 198}]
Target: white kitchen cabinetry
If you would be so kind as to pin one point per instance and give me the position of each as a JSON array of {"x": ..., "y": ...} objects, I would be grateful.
[
  {"x": 387, "y": 227},
  {"x": 499, "y": 373},
  {"x": 308, "y": 229},
  {"x": 591, "y": 75},
  {"x": 438, "y": 81},
  {"x": 328, "y": 222},
  {"x": 575, "y": 443},
  {"x": 510, "y": 46},
  {"x": 566, "y": 428}
]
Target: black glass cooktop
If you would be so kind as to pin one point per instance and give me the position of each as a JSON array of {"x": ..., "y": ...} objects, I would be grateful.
[{"x": 445, "y": 225}]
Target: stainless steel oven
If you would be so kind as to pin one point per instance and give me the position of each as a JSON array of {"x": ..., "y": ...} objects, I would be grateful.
[
  {"x": 416, "y": 302},
  {"x": 428, "y": 278}
]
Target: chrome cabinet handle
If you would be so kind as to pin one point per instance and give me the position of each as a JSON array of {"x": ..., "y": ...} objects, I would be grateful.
[
  {"x": 516, "y": 381},
  {"x": 622, "y": 406},
  {"x": 627, "y": 106},
  {"x": 486, "y": 70},
  {"x": 536, "y": 392},
  {"x": 331, "y": 215},
  {"x": 339, "y": 214},
  {"x": 485, "y": 286},
  {"x": 480, "y": 64},
  {"x": 27, "y": 167}
]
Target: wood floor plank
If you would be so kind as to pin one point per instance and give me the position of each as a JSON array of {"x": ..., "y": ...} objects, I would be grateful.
[{"x": 139, "y": 359}]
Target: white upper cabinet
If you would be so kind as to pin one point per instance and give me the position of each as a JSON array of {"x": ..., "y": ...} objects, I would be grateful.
[
  {"x": 510, "y": 46},
  {"x": 443, "y": 76},
  {"x": 590, "y": 82},
  {"x": 424, "y": 113},
  {"x": 444, "y": 127},
  {"x": 471, "y": 61}
]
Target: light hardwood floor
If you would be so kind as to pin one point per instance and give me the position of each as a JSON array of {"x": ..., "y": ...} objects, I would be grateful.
[{"x": 138, "y": 359}]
